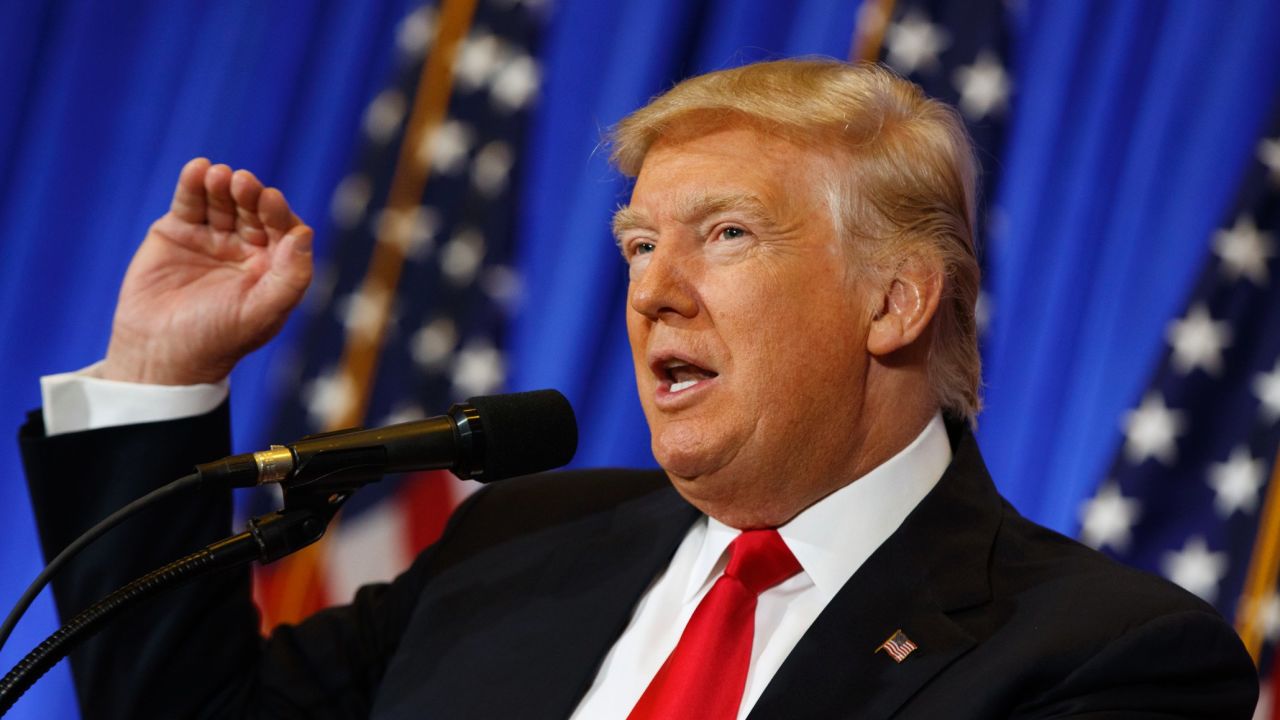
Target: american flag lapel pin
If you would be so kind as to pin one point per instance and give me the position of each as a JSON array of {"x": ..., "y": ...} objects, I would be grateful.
[{"x": 899, "y": 646}]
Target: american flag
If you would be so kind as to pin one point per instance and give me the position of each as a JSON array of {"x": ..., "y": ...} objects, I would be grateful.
[
  {"x": 408, "y": 313},
  {"x": 899, "y": 646},
  {"x": 1193, "y": 493}
]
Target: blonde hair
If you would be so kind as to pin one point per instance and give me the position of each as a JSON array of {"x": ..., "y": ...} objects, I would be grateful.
[{"x": 903, "y": 177}]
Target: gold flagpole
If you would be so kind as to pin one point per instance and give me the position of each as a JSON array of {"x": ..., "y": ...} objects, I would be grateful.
[
  {"x": 1260, "y": 582},
  {"x": 868, "y": 30}
]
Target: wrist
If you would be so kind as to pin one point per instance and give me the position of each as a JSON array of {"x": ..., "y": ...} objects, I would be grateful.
[{"x": 153, "y": 369}]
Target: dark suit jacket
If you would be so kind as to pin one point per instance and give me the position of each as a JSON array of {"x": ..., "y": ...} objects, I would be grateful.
[{"x": 512, "y": 612}]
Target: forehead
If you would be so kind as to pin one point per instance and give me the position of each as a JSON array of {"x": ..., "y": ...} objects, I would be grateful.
[{"x": 732, "y": 167}]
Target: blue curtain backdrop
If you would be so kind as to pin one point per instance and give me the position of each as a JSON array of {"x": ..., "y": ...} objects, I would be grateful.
[
  {"x": 1130, "y": 125},
  {"x": 100, "y": 103}
]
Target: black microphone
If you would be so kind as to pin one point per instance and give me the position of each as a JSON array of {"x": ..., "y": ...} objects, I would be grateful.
[{"x": 486, "y": 438}]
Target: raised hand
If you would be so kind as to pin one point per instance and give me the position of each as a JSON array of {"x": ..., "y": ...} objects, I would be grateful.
[{"x": 214, "y": 279}]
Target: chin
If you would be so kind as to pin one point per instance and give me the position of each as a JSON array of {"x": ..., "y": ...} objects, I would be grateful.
[
  {"x": 723, "y": 500},
  {"x": 686, "y": 466},
  {"x": 687, "y": 453}
]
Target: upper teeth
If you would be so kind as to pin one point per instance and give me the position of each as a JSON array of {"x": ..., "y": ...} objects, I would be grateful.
[{"x": 677, "y": 387}]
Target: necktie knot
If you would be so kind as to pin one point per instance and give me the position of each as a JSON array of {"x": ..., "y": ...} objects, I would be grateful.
[{"x": 759, "y": 559}]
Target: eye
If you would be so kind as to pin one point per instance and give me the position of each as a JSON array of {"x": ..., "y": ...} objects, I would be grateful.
[
  {"x": 733, "y": 232},
  {"x": 635, "y": 248}
]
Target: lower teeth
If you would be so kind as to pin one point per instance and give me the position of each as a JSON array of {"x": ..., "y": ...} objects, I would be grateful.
[{"x": 677, "y": 387}]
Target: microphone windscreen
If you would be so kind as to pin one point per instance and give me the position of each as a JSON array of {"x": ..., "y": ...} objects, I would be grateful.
[{"x": 525, "y": 432}]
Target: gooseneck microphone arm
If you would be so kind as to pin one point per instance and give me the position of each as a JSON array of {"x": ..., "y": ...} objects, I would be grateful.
[
  {"x": 268, "y": 538},
  {"x": 487, "y": 438}
]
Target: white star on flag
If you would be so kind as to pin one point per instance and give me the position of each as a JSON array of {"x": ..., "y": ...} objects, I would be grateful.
[
  {"x": 1236, "y": 482},
  {"x": 1271, "y": 617},
  {"x": 1107, "y": 519},
  {"x": 504, "y": 285},
  {"x": 413, "y": 231},
  {"x": 415, "y": 32},
  {"x": 1198, "y": 341},
  {"x": 1151, "y": 430},
  {"x": 462, "y": 256},
  {"x": 914, "y": 44},
  {"x": 1196, "y": 568},
  {"x": 1269, "y": 154},
  {"x": 330, "y": 396},
  {"x": 516, "y": 84},
  {"x": 479, "y": 369},
  {"x": 445, "y": 149},
  {"x": 983, "y": 86},
  {"x": 383, "y": 116},
  {"x": 433, "y": 344},
  {"x": 492, "y": 167},
  {"x": 350, "y": 200},
  {"x": 1266, "y": 386},
  {"x": 478, "y": 59},
  {"x": 362, "y": 312},
  {"x": 1244, "y": 251}
]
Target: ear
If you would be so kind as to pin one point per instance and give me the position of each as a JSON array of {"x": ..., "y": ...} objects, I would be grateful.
[{"x": 908, "y": 303}]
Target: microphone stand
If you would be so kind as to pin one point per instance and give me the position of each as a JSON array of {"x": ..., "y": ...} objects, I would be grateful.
[{"x": 308, "y": 508}]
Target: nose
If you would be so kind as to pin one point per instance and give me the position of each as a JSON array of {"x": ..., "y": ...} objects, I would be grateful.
[{"x": 663, "y": 286}]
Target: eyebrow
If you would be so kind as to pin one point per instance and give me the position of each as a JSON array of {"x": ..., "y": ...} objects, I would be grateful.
[
  {"x": 690, "y": 211},
  {"x": 628, "y": 218}
]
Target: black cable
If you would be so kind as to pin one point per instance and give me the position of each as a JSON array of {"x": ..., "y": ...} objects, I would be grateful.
[
  {"x": 29, "y": 595},
  {"x": 236, "y": 551},
  {"x": 269, "y": 537}
]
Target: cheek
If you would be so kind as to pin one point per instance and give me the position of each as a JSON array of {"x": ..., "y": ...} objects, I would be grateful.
[
  {"x": 802, "y": 347},
  {"x": 636, "y": 335}
]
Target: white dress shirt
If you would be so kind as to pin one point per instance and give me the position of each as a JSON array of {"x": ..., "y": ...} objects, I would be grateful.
[
  {"x": 80, "y": 400},
  {"x": 830, "y": 539}
]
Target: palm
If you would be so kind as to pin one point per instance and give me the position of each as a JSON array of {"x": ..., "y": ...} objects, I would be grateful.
[{"x": 215, "y": 278}]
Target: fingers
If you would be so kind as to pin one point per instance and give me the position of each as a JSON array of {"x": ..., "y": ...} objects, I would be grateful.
[
  {"x": 233, "y": 202},
  {"x": 220, "y": 207},
  {"x": 245, "y": 191},
  {"x": 275, "y": 214},
  {"x": 188, "y": 197}
]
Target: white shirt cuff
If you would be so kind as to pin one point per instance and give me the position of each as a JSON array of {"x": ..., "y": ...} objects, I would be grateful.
[{"x": 78, "y": 401}]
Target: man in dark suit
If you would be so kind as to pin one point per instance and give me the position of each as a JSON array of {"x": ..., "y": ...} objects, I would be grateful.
[{"x": 799, "y": 237}]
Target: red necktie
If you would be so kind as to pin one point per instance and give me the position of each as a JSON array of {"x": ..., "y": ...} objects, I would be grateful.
[{"x": 705, "y": 674}]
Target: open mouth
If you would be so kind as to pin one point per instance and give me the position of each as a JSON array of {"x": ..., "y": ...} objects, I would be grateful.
[{"x": 679, "y": 375}]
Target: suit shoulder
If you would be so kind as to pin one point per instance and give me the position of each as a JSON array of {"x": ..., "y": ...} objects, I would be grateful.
[
  {"x": 570, "y": 493},
  {"x": 545, "y": 502},
  {"x": 1112, "y": 636},
  {"x": 1048, "y": 570}
]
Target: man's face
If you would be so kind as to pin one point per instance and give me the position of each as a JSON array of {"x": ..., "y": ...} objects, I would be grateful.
[{"x": 748, "y": 327}]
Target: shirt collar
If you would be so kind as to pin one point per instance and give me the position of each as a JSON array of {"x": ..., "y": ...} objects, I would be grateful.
[{"x": 834, "y": 536}]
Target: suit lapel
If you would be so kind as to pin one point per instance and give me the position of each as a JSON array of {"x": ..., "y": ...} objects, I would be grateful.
[
  {"x": 577, "y": 587},
  {"x": 600, "y": 585},
  {"x": 932, "y": 566}
]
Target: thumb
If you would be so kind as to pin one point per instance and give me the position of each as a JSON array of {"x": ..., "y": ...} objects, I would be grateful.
[{"x": 290, "y": 271}]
